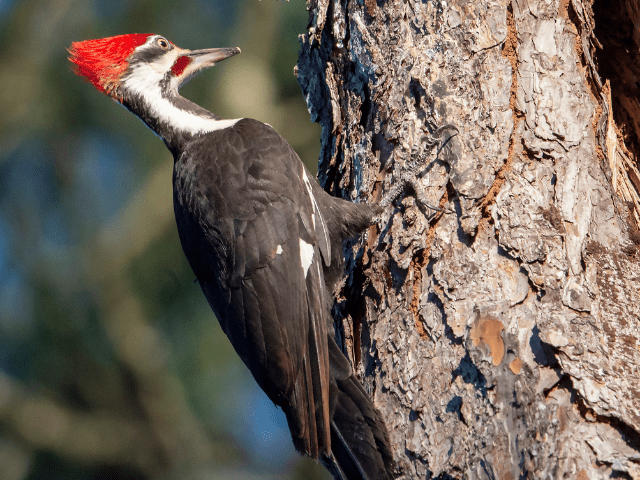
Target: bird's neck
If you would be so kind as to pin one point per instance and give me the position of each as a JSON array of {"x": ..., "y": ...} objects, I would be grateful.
[{"x": 172, "y": 117}]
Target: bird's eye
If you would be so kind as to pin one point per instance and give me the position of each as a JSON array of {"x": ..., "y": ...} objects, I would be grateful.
[{"x": 163, "y": 43}]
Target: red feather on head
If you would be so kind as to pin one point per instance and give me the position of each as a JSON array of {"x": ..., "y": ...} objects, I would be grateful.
[{"x": 103, "y": 60}]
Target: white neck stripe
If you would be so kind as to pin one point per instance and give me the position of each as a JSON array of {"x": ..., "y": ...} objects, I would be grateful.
[{"x": 144, "y": 82}]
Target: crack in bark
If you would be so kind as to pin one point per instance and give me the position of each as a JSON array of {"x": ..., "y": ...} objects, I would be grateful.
[{"x": 510, "y": 52}]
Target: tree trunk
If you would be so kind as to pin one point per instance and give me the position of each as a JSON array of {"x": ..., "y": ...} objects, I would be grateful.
[{"x": 499, "y": 340}]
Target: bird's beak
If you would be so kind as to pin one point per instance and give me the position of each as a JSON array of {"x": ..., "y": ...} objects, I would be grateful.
[
  {"x": 210, "y": 56},
  {"x": 190, "y": 62}
]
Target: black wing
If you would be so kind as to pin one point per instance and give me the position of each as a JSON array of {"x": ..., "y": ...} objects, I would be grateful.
[{"x": 254, "y": 237}]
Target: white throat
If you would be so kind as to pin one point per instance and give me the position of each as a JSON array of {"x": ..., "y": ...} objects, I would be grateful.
[{"x": 144, "y": 82}]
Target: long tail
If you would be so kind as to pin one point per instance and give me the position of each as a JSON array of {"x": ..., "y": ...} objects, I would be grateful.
[{"x": 359, "y": 439}]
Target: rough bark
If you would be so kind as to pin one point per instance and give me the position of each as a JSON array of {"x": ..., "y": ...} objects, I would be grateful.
[{"x": 500, "y": 340}]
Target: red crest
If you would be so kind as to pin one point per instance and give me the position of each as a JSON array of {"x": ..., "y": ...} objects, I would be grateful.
[{"x": 103, "y": 60}]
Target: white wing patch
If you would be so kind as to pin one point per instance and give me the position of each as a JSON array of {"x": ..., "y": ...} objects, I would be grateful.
[
  {"x": 306, "y": 256},
  {"x": 278, "y": 249},
  {"x": 145, "y": 82},
  {"x": 315, "y": 206}
]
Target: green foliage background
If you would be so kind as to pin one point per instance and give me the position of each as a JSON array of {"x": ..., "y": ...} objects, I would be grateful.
[{"x": 111, "y": 363}]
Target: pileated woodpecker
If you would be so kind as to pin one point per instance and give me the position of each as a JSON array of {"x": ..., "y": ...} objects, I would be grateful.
[{"x": 264, "y": 241}]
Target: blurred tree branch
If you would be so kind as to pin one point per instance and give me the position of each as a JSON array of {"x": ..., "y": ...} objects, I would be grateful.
[{"x": 89, "y": 437}]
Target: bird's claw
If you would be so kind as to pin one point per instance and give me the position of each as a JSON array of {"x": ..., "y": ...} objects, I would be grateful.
[{"x": 410, "y": 174}]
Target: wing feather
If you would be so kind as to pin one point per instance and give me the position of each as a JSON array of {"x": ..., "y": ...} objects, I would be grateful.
[
  {"x": 318, "y": 349},
  {"x": 251, "y": 251}
]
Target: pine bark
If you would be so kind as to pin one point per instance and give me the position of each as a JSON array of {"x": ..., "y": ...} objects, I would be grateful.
[{"x": 500, "y": 340}]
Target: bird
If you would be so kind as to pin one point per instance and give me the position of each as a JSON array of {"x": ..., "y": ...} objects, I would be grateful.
[{"x": 264, "y": 241}]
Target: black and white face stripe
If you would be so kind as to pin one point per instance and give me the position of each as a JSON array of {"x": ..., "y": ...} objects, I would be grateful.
[
  {"x": 149, "y": 79},
  {"x": 155, "y": 47}
]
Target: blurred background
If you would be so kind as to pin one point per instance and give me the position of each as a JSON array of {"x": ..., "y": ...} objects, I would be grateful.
[{"x": 112, "y": 366}]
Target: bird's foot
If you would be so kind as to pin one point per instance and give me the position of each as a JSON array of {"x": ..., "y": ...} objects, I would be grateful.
[{"x": 409, "y": 176}]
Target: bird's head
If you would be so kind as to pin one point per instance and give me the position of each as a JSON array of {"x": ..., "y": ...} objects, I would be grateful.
[{"x": 137, "y": 63}]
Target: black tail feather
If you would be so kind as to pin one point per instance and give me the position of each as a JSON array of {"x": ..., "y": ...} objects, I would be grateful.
[{"x": 359, "y": 439}]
